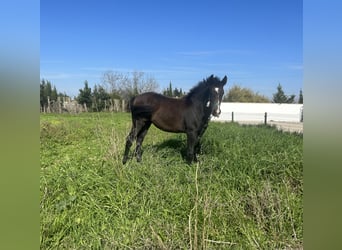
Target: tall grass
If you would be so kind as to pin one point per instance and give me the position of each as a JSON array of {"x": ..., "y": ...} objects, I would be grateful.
[{"x": 245, "y": 192}]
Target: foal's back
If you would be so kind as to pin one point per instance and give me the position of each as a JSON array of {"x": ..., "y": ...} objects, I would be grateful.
[{"x": 164, "y": 112}]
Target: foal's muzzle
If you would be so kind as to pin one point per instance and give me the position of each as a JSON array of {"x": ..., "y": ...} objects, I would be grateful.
[{"x": 216, "y": 111}]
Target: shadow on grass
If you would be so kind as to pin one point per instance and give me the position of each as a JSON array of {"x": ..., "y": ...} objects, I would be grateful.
[
  {"x": 175, "y": 146},
  {"x": 171, "y": 146}
]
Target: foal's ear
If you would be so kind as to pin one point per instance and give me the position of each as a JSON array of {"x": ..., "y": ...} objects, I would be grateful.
[{"x": 224, "y": 80}]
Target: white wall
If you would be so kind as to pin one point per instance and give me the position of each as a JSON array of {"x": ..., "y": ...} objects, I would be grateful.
[{"x": 256, "y": 112}]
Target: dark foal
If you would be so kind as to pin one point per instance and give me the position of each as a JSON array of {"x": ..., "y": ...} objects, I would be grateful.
[{"x": 189, "y": 114}]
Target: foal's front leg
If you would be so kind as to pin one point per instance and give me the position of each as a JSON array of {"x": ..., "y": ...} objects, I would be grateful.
[
  {"x": 192, "y": 142},
  {"x": 200, "y": 134}
]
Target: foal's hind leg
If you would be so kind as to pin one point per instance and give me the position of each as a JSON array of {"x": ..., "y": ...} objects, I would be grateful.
[
  {"x": 129, "y": 141},
  {"x": 142, "y": 128}
]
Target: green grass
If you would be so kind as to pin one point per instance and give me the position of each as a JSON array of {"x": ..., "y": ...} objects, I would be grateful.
[{"x": 246, "y": 192}]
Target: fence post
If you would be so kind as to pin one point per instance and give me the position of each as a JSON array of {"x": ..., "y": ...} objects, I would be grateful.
[
  {"x": 301, "y": 115},
  {"x": 116, "y": 105},
  {"x": 265, "y": 120},
  {"x": 59, "y": 104},
  {"x": 123, "y": 105},
  {"x": 48, "y": 107},
  {"x": 233, "y": 116}
]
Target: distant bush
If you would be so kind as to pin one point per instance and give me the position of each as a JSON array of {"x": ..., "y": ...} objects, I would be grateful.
[{"x": 239, "y": 94}]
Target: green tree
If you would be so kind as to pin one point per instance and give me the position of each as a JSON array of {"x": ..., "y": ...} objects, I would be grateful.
[
  {"x": 300, "y": 100},
  {"x": 173, "y": 92},
  {"x": 280, "y": 97},
  {"x": 239, "y": 94},
  {"x": 49, "y": 92},
  {"x": 54, "y": 94},
  {"x": 48, "y": 89},
  {"x": 85, "y": 95},
  {"x": 43, "y": 98},
  {"x": 168, "y": 91},
  {"x": 177, "y": 93},
  {"x": 100, "y": 96}
]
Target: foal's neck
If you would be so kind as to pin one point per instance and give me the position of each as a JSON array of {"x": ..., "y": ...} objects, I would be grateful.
[
  {"x": 200, "y": 101},
  {"x": 199, "y": 95}
]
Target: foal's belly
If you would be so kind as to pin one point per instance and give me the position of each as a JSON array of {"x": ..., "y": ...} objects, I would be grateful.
[{"x": 168, "y": 123}]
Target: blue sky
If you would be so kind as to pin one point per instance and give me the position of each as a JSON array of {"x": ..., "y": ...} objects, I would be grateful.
[{"x": 257, "y": 44}]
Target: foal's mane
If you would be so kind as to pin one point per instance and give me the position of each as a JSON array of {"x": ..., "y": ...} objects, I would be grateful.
[{"x": 201, "y": 87}]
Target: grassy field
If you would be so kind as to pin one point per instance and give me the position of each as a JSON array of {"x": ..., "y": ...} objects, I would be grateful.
[{"x": 246, "y": 192}]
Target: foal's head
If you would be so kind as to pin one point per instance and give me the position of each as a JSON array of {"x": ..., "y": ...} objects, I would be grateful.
[{"x": 216, "y": 92}]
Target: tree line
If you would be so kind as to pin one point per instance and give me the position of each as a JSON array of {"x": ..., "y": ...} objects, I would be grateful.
[
  {"x": 169, "y": 91},
  {"x": 239, "y": 94},
  {"x": 113, "y": 86},
  {"x": 48, "y": 93},
  {"x": 116, "y": 85}
]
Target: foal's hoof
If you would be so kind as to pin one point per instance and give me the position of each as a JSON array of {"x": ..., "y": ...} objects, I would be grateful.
[{"x": 189, "y": 161}]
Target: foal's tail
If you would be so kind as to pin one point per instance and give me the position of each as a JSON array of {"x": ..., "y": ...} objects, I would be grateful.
[{"x": 141, "y": 111}]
